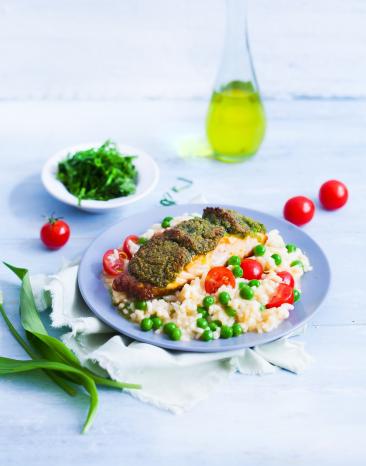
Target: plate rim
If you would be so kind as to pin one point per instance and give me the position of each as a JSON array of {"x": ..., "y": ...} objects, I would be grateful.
[{"x": 205, "y": 348}]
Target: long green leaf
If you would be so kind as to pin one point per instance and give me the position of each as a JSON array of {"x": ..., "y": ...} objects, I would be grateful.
[
  {"x": 32, "y": 323},
  {"x": 19, "y": 271},
  {"x": 48, "y": 353},
  {"x": 64, "y": 352},
  {"x": 60, "y": 352},
  {"x": 28, "y": 311},
  {"x": 15, "y": 333},
  {"x": 54, "y": 377},
  {"x": 12, "y": 366}
]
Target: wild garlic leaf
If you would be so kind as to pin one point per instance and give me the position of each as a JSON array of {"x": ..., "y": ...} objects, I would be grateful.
[
  {"x": 64, "y": 352},
  {"x": 48, "y": 353},
  {"x": 28, "y": 312},
  {"x": 31, "y": 321},
  {"x": 54, "y": 377},
  {"x": 12, "y": 366},
  {"x": 33, "y": 325},
  {"x": 60, "y": 362}
]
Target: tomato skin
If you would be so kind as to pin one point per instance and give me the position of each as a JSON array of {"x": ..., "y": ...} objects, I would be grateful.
[
  {"x": 252, "y": 269},
  {"x": 218, "y": 276},
  {"x": 284, "y": 294},
  {"x": 299, "y": 210},
  {"x": 126, "y": 246},
  {"x": 287, "y": 278},
  {"x": 55, "y": 233},
  {"x": 333, "y": 194},
  {"x": 112, "y": 265}
]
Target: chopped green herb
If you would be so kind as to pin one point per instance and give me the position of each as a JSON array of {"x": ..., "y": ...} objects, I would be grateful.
[{"x": 101, "y": 173}]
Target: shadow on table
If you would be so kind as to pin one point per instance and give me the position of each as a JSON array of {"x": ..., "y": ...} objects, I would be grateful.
[{"x": 29, "y": 200}]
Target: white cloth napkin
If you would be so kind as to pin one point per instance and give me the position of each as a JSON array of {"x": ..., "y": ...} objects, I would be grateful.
[{"x": 172, "y": 381}]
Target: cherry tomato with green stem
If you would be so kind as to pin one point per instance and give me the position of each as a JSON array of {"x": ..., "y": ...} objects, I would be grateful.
[{"x": 55, "y": 233}]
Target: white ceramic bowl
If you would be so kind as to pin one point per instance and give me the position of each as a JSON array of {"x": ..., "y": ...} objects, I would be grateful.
[{"x": 148, "y": 175}]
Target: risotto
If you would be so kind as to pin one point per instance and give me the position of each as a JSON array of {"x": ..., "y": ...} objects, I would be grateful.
[{"x": 244, "y": 283}]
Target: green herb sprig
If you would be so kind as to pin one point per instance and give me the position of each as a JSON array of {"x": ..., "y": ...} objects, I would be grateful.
[
  {"x": 100, "y": 174},
  {"x": 49, "y": 354}
]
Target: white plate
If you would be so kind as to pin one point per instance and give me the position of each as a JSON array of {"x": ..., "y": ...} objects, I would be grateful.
[{"x": 148, "y": 175}]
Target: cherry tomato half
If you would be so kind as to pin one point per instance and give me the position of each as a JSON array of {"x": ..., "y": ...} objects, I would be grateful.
[
  {"x": 55, "y": 233},
  {"x": 126, "y": 247},
  {"x": 284, "y": 294},
  {"x": 299, "y": 210},
  {"x": 252, "y": 269},
  {"x": 114, "y": 261},
  {"x": 333, "y": 194},
  {"x": 287, "y": 278},
  {"x": 217, "y": 277}
]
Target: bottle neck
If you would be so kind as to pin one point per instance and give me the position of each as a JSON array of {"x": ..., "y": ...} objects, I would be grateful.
[
  {"x": 236, "y": 63},
  {"x": 236, "y": 22}
]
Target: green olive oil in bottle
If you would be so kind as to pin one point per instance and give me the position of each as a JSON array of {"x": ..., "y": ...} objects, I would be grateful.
[{"x": 236, "y": 121}]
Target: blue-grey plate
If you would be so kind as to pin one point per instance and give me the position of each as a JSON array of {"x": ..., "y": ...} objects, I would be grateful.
[{"x": 314, "y": 284}]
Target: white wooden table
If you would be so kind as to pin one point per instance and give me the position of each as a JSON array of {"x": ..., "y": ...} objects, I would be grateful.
[{"x": 318, "y": 417}]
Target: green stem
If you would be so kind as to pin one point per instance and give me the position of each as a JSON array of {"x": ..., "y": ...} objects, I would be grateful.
[
  {"x": 16, "y": 335},
  {"x": 111, "y": 383}
]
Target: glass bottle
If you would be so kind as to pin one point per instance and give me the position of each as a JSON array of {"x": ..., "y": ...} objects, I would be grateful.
[{"x": 236, "y": 122}]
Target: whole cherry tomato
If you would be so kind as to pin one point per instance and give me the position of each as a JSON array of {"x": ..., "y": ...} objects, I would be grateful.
[
  {"x": 299, "y": 210},
  {"x": 252, "y": 269},
  {"x": 333, "y": 194},
  {"x": 284, "y": 294},
  {"x": 55, "y": 233},
  {"x": 126, "y": 247},
  {"x": 114, "y": 261},
  {"x": 217, "y": 277},
  {"x": 287, "y": 278}
]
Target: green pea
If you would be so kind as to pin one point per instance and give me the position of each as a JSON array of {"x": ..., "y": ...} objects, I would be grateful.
[
  {"x": 237, "y": 271},
  {"x": 259, "y": 250},
  {"x": 217, "y": 322},
  {"x": 242, "y": 284},
  {"x": 297, "y": 295},
  {"x": 290, "y": 247},
  {"x": 224, "y": 297},
  {"x": 157, "y": 322},
  {"x": 212, "y": 326},
  {"x": 203, "y": 311},
  {"x": 231, "y": 312},
  {"x": 169, "y": 327},
  {"x": 142, "y": 240},
  {"x": 254, "y": 282},
  {"x": 277, "y": 259},
  {"x": 146, "y": 324},
  {"x": 262, "y": 307},
  {"x": 207, "y": 335},
  {"x": 234, "y": 260},
  {"x": 141, "y": 305},
  {"x": 246, "y": 292},
  {"x": 296, "y": 263},
  {"x": 166, "y": 222},
  {"x": 237, "y": 330},
  {"x": 176, "y": 334},
  {"x": 208, "y": 301},
  {"x": 226, "y": 332},
  {"x": 201, "y": 322}
]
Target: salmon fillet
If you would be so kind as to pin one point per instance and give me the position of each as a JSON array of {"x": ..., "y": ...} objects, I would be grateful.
[
  {"x": 228, "y": 246},
  {"x": 179, "y": 254}
]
